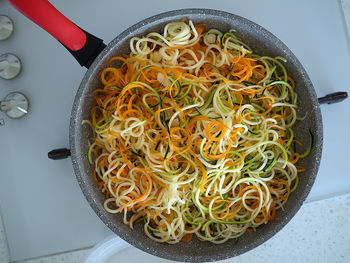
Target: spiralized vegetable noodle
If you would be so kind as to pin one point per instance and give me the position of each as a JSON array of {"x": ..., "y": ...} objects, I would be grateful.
[{"x": 193, "y": 135}]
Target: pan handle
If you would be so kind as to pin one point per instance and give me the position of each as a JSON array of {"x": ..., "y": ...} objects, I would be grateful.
[
  {"x": 59, "y": 154},
  {"x": 333, "y": 97},
  {"x": 81, "y": 44}
]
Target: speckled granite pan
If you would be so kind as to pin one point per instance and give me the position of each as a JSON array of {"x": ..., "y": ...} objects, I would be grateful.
[{"x": 262, "y": 42}]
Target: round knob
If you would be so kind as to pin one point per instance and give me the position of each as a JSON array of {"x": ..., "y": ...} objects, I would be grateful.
[
  {"x": 15, "y": 105},
  {"x": 6, "y": 27},
  {"x": 10, "y": 66}
]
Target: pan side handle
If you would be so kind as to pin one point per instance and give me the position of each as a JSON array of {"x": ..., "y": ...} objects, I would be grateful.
[
  {"x": 84, "y": 46},
  {"x": 59, "y": 154},
  {"x": 333, "y": 97}
]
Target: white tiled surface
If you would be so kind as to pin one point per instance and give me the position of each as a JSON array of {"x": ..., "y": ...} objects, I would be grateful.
[
  {"x": 318, "y": 233},
  {"x": 69, "y": 257}
]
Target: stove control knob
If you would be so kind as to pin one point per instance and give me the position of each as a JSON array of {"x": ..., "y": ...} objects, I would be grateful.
[
  {"x": 10, "y": 66},
  {"x": 15, "y": 105},
  {"x": 6, "y": 27}
]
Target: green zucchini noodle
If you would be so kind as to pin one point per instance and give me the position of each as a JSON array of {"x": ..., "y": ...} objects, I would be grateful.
[{"x": 193, "y": 135}]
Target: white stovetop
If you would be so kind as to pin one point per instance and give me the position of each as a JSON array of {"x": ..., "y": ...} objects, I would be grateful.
[{"x": 44, "y": 211}]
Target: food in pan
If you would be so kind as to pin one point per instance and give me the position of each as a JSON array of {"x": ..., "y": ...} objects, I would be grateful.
[{"x": 193, "y": 135}]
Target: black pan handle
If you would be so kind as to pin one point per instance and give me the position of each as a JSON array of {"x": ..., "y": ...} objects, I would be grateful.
[
  {"x": 333, "y": 97},
  {"x": 81, "y": 44},
  {"x": 59, "y": 154},
  {"x": 87, "y": 54}
]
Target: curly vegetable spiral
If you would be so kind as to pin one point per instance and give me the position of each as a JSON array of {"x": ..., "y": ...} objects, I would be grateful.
[{"x": 193, "y": 135}]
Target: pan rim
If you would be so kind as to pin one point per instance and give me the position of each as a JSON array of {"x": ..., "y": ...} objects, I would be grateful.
[{"x": 77, "y": 155}]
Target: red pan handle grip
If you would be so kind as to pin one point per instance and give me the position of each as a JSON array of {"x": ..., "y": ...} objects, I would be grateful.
[
  {"x": 50, "y": 19},
  {"x": 83, "y": 46}
]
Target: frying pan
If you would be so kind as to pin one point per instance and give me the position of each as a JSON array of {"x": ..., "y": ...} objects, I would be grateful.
[{"x": 92, "y": 53}]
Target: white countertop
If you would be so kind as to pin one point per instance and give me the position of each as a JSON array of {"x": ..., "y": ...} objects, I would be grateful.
[{"x": 44, "y": 211}]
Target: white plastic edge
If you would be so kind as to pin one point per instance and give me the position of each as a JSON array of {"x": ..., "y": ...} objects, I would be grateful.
[{"x": 105, "y": 249}]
